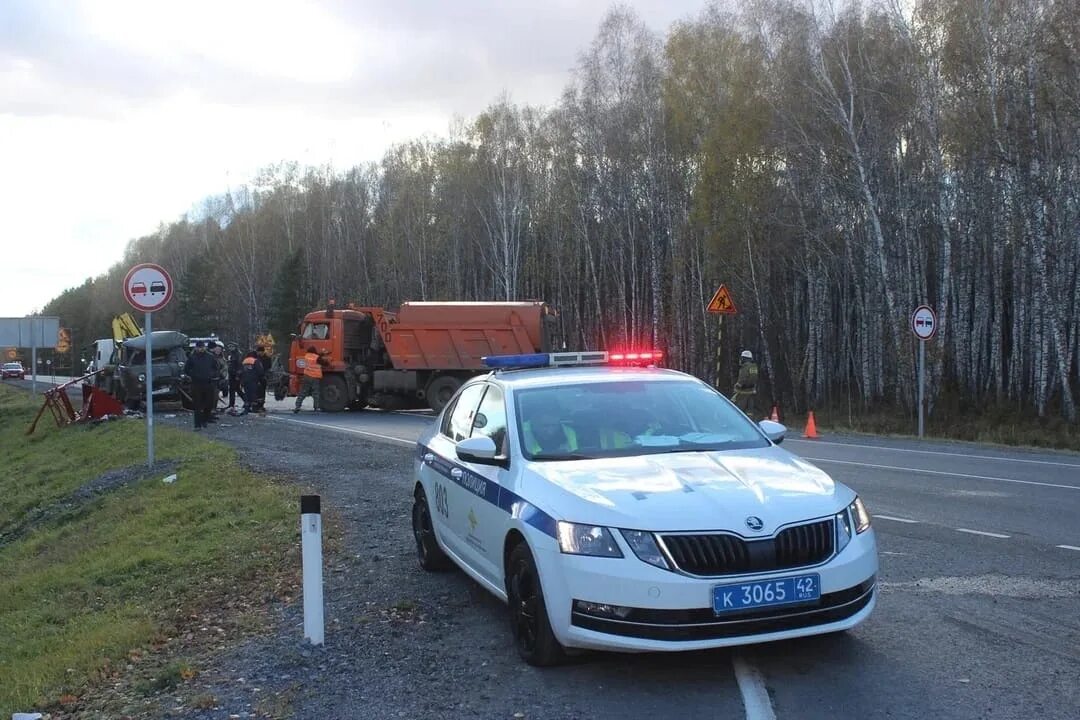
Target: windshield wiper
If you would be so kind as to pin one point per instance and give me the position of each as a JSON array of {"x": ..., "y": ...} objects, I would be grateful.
[{"x": 562, "y": 456}]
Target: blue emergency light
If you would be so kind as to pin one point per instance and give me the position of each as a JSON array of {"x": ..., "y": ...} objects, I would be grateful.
[
  {"x": 569, "y": 359},
  {"x": 517, "y": 361}
]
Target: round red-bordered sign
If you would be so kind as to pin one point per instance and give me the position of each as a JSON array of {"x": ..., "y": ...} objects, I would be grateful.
[
  {"x": 148, "y": 287},
  {"x": 924, "y": 322}
]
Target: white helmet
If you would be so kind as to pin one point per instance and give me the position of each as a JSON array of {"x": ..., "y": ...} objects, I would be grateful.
[{"x": 747, "y": 355}]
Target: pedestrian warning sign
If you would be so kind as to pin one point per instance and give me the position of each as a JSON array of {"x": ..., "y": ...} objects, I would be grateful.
[{"x": 721, "y": 302}]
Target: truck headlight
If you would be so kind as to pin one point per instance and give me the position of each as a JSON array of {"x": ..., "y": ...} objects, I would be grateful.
[
  {"x": 644, "y": 546},
  {"x": 592, "y": 540},
  {"x": 142, "y": 377}
]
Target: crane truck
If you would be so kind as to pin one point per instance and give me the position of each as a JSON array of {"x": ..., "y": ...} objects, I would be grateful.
[{"x": 421, "y": 353}]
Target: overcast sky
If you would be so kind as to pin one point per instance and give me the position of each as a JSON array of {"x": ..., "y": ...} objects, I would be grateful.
[{"x": 118, "y": 115}]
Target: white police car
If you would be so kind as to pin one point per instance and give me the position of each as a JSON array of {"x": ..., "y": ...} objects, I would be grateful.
[{"x": 635, "y": 509}]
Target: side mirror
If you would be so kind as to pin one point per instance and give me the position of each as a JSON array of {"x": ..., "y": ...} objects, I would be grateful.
[
  {"x": 480, "y": 449},
  {"x": 773, "y": 430}
]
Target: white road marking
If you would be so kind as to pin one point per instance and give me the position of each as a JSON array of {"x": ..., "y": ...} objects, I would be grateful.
[
  {"x": 1069, "y": 547},
  {"x": 982, "y": 532},
  {"x": 894, "y": 519},
  {"x": 1074, "y": 466},
  {"x": 345, "y": 429},
  {"x": 942, "y": 472},
  {"x": 754, "y": 693}
]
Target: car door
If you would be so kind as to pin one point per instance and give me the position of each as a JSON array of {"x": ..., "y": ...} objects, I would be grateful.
[
  {"x": 446, "y": 478},
  {"x": 485, "y": 523}
]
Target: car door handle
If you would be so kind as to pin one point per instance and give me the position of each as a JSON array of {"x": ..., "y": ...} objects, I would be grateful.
[
  {"x": 456, "y": 473},
  {"x": 429, "y": 458}
]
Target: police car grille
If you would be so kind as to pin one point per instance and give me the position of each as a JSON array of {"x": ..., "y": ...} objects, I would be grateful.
[{"x": 722, "y": 554}]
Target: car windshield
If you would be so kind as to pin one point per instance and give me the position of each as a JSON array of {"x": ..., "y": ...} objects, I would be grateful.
[
  {"x": 629, "y": 417},
  {"x": 12, "y": 366},
  {"x": 138, "y": 357}
]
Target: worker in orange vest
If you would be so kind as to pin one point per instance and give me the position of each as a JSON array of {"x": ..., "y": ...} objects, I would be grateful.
[{"x": 311, "y": 384}]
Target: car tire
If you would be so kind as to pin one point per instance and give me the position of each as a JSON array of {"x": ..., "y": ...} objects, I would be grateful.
[
  {"x": 529, "y": 623},
  {"x": 428, "y": 553}
]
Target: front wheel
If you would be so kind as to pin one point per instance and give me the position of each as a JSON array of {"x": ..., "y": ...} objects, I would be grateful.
[
  {"x": 535, "y": 641},
  {"x": 333, "y": 394},
  {"x": 428, "y": 552}
]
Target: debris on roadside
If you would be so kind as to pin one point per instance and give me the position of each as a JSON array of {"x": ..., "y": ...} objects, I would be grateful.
[{"x": 170, "y": 479}]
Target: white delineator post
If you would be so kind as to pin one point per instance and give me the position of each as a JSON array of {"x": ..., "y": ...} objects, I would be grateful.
[{"x": 311, "y": 552}]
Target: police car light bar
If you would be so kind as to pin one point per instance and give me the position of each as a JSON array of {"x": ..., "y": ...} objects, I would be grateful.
[{"x": 570, "y": 359}]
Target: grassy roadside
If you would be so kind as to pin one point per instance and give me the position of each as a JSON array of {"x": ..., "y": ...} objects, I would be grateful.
[
  {"x": 994, "y": 426},
  {"x": 99, "y": 568}
]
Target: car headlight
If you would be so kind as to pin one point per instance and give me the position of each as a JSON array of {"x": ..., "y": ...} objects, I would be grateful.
[
  {"x": 592, "y": 540},
  {"x": 142, "y": 377},
  {"x": 644, "y": 546},
  {"x": 843, "y": 529},
  {"x": 860, "y": 515},
  {"x": 853, "y": 520}
]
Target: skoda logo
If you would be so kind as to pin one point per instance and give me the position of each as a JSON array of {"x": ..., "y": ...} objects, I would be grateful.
[{"x": 754, "y": 523}]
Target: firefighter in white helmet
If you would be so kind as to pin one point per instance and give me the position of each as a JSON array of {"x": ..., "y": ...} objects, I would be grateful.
[{"x": 746, "y": 386}]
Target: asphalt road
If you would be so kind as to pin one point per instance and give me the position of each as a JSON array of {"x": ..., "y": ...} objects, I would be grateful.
[{"x": 979, "y": 615}]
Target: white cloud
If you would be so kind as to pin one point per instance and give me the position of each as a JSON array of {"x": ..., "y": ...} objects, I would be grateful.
[{"x": 118, "y": 115}]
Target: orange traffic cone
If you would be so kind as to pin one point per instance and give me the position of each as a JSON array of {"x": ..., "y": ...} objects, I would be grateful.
[
  {"x": 811, "y": 427},
  {"x": 775, "y": 417}
]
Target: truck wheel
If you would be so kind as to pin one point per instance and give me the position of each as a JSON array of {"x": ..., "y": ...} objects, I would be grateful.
[
  {"x": 334, "y": 395},
  {"x": 440, "y": 390}
]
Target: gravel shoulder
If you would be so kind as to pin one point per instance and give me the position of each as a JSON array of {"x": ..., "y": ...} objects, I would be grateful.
[{"x": 402, "y": 643}]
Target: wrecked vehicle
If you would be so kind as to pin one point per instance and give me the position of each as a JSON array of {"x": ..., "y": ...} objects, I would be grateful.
[{"x": 125, "y": 375}]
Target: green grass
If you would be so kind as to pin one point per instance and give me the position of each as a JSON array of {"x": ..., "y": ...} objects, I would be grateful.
[
  {"x": 1001, "y": 425},
  {"x": 82, "y": 590}
]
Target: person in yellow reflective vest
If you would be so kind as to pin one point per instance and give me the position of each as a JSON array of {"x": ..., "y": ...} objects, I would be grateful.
[
  {"x": 545, "y": 433},
  {"x": 746, "y": 386},
  {"x": 311, "y": 384}
]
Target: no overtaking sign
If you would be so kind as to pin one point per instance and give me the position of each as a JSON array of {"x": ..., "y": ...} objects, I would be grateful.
[
  {"x": 148, "y": 287},
  {"x": 924, "y": 322}
]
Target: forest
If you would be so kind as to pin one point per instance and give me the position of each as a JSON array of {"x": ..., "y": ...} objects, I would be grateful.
[{"x": 835, "y": 165}]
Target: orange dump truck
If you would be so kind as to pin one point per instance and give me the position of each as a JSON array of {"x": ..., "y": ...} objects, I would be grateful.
[{"x": 423, "y": 352}]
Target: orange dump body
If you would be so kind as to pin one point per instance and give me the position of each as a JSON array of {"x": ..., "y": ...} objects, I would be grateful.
[{"x": 455, "y": 336}]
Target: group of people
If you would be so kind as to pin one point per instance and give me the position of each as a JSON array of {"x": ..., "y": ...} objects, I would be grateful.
[{"x": 214, "y": 373}]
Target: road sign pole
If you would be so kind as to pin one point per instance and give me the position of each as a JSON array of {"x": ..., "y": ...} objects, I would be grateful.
[
  {"x": 149, "y": 392},
  {"x": 33, "y": 359},
  {"x": 719, "y": 339},
  {"x": 922, "y": 382}
]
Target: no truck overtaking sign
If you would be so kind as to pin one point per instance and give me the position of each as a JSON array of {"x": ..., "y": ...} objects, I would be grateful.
[{"x": 147, "y": 287}]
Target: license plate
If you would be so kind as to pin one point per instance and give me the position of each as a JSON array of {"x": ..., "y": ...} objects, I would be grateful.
[{"x": 782, "y": 591}]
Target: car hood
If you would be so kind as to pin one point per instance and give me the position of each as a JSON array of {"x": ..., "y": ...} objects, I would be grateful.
[{"x": 688, "y": 491}]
